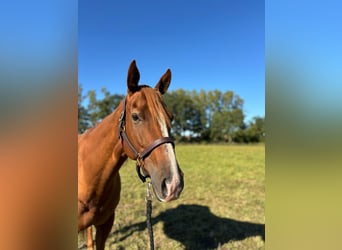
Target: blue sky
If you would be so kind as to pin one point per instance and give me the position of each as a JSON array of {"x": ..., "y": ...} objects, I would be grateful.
[{"x": 207, "y": 45}]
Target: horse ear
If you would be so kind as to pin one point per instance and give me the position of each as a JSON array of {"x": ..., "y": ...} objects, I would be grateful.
[
  {"x": 133, "y": 78},
  {"x": 164, "y": 82}
]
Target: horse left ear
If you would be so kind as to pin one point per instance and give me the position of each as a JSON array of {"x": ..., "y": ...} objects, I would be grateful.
[
  {"x": 133, "y": 77},
  {"x": 164, "y": 82}
]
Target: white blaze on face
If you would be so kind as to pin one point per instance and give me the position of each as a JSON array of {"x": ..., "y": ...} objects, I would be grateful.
[{"x": 171, "y": 156}]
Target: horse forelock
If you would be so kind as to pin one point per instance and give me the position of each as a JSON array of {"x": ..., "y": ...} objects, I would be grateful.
[{"x": 156, "y": 106}]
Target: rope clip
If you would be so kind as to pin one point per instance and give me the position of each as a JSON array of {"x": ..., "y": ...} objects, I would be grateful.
[{"x": 149, "y": 195}]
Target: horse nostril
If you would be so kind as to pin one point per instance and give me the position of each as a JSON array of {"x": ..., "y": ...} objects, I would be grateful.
[{"x": 164, "y": 188}]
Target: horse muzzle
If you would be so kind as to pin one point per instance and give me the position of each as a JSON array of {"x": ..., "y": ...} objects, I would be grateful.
[{"x": 170, "y": 188}]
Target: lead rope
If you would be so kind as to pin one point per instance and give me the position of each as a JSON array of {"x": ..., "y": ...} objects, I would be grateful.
[{"x": 148, "y": 200}]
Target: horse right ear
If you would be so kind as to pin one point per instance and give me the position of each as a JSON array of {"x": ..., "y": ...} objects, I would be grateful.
[{"x": 133, "y": 78}]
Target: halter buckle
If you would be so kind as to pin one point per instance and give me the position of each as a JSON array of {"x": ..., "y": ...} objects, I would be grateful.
[
  {"x": 140, "y": 161},
  {"x": 121, "y": 116},
  {"x": 122, "y": 127}
]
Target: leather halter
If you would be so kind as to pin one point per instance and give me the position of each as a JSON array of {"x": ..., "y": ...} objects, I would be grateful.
[{"x": 139, "y": 156}]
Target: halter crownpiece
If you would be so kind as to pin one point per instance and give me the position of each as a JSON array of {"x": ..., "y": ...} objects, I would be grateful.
[{"x": 139, "y": 156}]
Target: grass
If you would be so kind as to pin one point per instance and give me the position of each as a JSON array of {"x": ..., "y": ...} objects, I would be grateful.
[{"x": 221, "y": 207}]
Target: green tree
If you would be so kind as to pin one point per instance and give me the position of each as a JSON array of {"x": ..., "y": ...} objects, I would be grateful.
[
  {"x": 254, "y": 132},
  {"x": 177, "y": 102},
  {"x": 83, "y": 115},
  {"x": 100, "y": 108},
  {"x": 93, "y": 107},
  {"x": 202, "y": 105},
  {"x": 225, "y": 115},
  {"x": 210, "y": 116},
  {"x": 257, "y": 128},
  {"x": 187, "y": 116}
]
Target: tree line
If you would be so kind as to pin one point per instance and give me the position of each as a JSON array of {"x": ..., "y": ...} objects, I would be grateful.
[{"x": 204, "y": 116}]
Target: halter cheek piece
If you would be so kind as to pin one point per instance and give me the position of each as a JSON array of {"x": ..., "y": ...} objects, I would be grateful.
[{"x": 139, "y": 156}]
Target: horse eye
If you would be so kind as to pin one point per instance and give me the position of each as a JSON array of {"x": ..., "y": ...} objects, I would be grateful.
[{"x": 135, "y": 117}]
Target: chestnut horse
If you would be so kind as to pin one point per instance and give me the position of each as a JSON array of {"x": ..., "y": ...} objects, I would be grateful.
[{"x": 139, "y": 129}]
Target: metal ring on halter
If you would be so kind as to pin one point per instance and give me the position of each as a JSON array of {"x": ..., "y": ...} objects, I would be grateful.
[{"x": 140, "y": 175}]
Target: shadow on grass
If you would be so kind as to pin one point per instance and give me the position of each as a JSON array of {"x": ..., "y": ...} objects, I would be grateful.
[{"x": 197, "y": 228}]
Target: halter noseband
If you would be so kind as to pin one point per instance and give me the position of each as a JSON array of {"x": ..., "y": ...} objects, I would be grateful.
[{"x": 139, "y": 156}]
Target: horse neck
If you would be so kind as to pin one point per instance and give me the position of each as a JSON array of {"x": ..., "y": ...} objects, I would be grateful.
[{"x": 103, "y": 141}]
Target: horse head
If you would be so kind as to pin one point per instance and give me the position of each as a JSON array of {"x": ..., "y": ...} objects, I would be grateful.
[{"x": 145, "y": 131}]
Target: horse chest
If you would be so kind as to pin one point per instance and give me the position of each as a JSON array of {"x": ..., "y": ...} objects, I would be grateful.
[{"x": 97, "y": 205}]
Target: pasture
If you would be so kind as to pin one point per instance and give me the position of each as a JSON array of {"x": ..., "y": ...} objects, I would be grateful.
[{"x": 221, "y": 207}]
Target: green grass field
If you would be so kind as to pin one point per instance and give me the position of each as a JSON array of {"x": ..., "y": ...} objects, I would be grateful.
[{"x": 221, "y": 207}]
